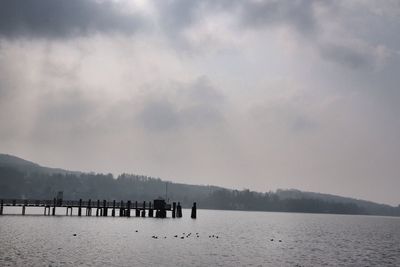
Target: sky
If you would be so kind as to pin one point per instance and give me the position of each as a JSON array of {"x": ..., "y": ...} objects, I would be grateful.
[{"x": 243, "y": 94}]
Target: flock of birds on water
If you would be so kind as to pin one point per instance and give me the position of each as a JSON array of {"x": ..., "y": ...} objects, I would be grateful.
[{"x": 184, "y": 235}]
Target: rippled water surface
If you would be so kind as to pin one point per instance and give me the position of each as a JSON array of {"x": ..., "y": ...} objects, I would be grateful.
[{"x": 244, "y": 239}]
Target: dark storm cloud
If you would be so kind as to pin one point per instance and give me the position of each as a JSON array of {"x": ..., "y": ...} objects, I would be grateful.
[
  {"x": 347, "y": 56},
  {"x": 300, "y": 15},
  {"x": 5, "y": 83},
  {"x": 63, "y": 18},
  {"x": 297, "y": 14},
  {"x": 60, "y": 18},
  {"x": 178, "y": 14}
]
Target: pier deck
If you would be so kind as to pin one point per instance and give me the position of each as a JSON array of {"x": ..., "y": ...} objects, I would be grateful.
[{"x": 159, "y": 206}]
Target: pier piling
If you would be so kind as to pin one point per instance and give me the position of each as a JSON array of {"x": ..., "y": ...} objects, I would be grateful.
[
  {"x": 137, "y": 211},
  {"x": 173, "y": 209},
  {"x": 113, "y": 210},
  {"x": 151, "y": 210},
  {"x": 144, "y": 209},
  {"x": 121, "y": 209},
  {"x": 105, "y": 208},
  {"x": 80, "y": 207},
  {"x": 98, "y": 208},
  {"x": 89, "y": 208},
  {"x": 179, "y": 210},
  {"x": 128, "y": 210},
  {"x": 194, "y": 211},
  {"x": 54, "y": 207}
]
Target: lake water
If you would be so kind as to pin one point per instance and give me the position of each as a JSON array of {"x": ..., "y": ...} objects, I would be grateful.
[{"x": 244, "y": 239}]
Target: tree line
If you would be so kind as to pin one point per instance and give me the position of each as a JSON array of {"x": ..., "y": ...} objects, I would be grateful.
[{"x": 15, "y": 183}]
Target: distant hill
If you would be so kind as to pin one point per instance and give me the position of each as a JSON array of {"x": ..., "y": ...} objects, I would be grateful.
[
  {"x": 28, "y": 166},
  {"x": 372, "y": 207},
  {"x": 12, "y": 161},
  {"x": 20, "y": 178}
]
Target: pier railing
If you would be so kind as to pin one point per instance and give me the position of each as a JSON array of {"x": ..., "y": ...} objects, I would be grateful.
[
  {"x": 159, "y": 206},
  {"x": 77, "y": 203}
]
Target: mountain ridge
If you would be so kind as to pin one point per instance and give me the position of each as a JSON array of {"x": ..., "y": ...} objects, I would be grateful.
[
  {"x": 7, "y": 160},
  {"x": 23, "y": 178}
]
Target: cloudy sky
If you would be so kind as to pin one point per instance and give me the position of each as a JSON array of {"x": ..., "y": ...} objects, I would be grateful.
[{"x": 243, "y": 94}]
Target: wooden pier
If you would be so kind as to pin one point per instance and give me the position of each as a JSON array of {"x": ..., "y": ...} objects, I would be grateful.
[{"x": 158, "y": 207}]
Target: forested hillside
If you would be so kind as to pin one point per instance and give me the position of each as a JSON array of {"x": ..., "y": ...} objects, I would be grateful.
[{"x": 24, "y": 179}]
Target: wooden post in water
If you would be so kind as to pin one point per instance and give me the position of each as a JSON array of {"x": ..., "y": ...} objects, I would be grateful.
[
  {"x": 194, "y": 211},
  {"x": 150, "y": 210},
  {"x": 121, "y": 209},
  {"x": 113, "y": 210},
  {"x": 23, "y": 209},
  {"x": 105, "y": 208},
  {"x": 98, "y": 208},
  {"x": 173, "y": 209},
  {"x": 137, "y": 211},
  {"x": 179, "y": 210},
  {"x": 163, "y": 213},
  {"x": 128, "y": 210},
  {"x": 54, "y": 207},
  {"x": 144, "y": 209},
  {"x": 80, "y": 207},
  {"x": 1, "y": 207},
  {"x": 89, "y": 208}
]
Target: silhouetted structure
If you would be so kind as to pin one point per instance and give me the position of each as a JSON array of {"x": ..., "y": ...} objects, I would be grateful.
[
  {"x": 161, "y": 208},
  {"x": 173, "y": 209},
  {"x": 194, "y": 211},
  {"x": 102, "y": 208},
  {"x": 179, "y": 210}
]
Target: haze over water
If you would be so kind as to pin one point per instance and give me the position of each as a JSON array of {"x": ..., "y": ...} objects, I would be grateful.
[{"x": 244, "y": 239}]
